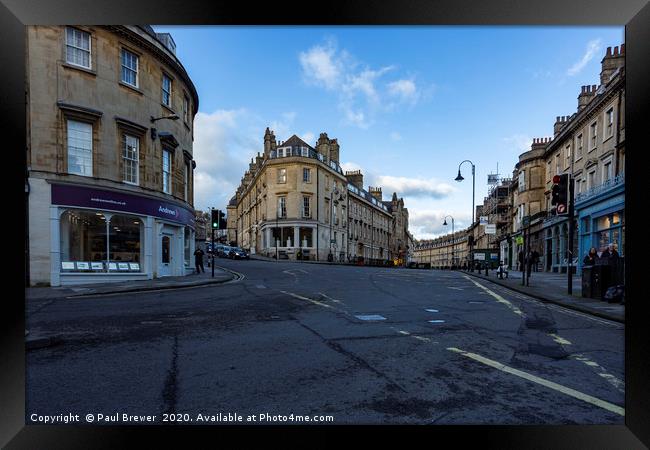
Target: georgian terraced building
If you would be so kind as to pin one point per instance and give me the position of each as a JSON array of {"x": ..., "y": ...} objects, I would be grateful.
[
  {"x": 590, "y": 146},
  {"x": 109, "y": 186},
  {"x": 295, "y": 199}
]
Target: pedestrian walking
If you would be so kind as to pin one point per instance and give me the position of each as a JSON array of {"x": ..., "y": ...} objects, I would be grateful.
[
  {"x": 198, "y": 260},
  {"x": 535, "y": 260},
  {"x": 529, "y": 262},
  {"x": 591, "y": 257},
  {"x": 613, "y": 251}
]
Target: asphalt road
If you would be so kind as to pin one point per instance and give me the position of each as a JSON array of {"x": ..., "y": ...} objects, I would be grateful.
[{"x": 436, "y": 347}]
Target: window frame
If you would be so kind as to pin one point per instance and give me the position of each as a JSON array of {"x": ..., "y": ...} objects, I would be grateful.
[
  {"x": 90, "y": 48},
  {"x": 306, "y": 206},
  {"x": 124, "y": 50},
  {"x": 137, "y": 159},
  {"x": 167, "y": 175},
  {"x": 609, "y": 123},
  {"x": 165, "y": 77},
  {"x": 282, "y": 175},
  {"x": 306, "y": 170},
  {"x": 593, "y": 134},
  {"x": 90, "y": 150},
  {"x": 281, "y": 211},
  {"x": 579, "y": 146}
]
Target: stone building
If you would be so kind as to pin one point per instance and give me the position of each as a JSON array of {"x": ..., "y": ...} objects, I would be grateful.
[
  {"x": 294, "y": 199},
  {"x": 590, "y": 146},
  {"x": 443, "y": 252},
  {"x": 110, "y": 115},
  {"x": 369, "y": 221}
]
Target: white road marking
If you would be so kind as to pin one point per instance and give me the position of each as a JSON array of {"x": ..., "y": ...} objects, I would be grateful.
[
  {"x": 315, "y": 302},
  {"x": 457, "y": 288},
  {"x": 436, "y": 321},
  {"x": 611, "y": 379},
  {"x": 422, "y": 338},
  {"x": 330, "y": 298},
  {"x": 432, "y": 310},
  {"x": 549, "y": 384},
  {"x": 559, "y": 340},
  {"x": 371, "y": 317},
  {"x": 500, "y": 299},
  {"x": 260, "y": 286}
]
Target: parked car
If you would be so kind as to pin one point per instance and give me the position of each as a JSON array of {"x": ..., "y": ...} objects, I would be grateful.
[
  {"x": 238, "y": 253},
  {"x": 224, "y": 252}
]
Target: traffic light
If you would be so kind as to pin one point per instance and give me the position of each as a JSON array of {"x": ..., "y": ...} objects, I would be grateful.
[
  {"x": 559, "y": 194},
  {"x": 215, "y": 218},
  {"x": 218, "y": 219}
]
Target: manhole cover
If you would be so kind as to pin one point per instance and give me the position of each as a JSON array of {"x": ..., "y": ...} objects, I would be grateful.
[{"x": 370, "y": 317}]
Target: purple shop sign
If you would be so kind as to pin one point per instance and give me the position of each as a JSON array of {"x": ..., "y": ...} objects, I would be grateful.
[{"x": 68, "y": 195}]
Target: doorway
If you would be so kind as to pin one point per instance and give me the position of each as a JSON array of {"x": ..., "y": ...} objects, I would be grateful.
[{"x": 165, "y": 266}]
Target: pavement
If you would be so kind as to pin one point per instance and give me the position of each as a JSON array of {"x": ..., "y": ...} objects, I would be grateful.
[
  {"x": 552, "y": 288},
  {"x": 362, "y": 345},
  {"x": 221, "y": 275}
]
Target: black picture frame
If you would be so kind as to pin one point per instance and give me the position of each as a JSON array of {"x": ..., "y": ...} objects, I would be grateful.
[{"x": 635, "y": 15}]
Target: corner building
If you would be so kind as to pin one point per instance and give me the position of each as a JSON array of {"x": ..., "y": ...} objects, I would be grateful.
[
  {"x": 109, "y": 189},
  {"x": 294, "y": 199}
]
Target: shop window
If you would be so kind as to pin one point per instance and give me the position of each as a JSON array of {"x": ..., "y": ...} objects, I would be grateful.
[{"x": 85, "y": 238}]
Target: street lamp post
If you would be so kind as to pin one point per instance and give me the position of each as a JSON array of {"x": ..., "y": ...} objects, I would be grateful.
[
  {"x": 460, "y": 178},
  {"x": 453, "y": 242}
]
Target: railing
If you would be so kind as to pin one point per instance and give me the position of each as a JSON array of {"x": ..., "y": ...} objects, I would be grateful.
[
  {"x": 609, "y": 184},
  {"x": 306, "y": 153}
]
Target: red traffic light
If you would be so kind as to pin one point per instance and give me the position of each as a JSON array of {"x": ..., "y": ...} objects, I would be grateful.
[{"x": 556, "y": 179}]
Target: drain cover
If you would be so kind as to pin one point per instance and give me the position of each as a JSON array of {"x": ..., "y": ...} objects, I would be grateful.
[{"x": 370, "y": 317}]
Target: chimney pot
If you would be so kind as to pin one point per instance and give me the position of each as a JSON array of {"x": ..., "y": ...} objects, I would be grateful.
[
  {"x": 557, "y": 119},
  {"x": 616, "y": 51},
  {"x": 609, "y": 52},
  {"x": 622, "y": 49},
  {"x": 593, "y": 88}
]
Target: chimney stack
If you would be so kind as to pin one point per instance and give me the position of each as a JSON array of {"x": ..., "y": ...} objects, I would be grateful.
[
  {"x": 611, "y": 62},
  {"x": 375, "y": 192},
  {"x": 355, "y": 177},
  {"x": 586, "y": 95}
]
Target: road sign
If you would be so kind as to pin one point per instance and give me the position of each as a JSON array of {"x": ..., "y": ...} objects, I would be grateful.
[
  {"x": 483, "y": 220},
  {"x": 491, "y": 228},
  {"x": 519, "y": 240}
]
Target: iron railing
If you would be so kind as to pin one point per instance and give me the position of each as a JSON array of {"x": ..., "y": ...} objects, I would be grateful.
[{"x": 607, "y": 185}]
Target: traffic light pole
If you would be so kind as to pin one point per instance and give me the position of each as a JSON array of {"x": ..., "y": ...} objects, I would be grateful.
[
  {"x": 570, "y": 243},
  {"x": 213, "y": 248}
]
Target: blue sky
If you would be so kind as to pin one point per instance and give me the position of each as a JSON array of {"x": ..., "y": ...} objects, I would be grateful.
[{"x": 407, "y": 104}]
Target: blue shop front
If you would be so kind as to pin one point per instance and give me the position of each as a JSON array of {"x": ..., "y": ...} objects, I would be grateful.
[{"x": 601, "y": 217}]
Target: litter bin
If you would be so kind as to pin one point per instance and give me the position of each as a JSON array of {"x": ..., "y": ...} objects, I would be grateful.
[
  {"x": 601, "y": 280},
  {"x": 587, "y": 281}
]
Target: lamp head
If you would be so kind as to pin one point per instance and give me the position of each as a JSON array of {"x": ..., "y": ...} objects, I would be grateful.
[
  {"x": 445, "y": 222},
  {"x": 459, "y": 177}
]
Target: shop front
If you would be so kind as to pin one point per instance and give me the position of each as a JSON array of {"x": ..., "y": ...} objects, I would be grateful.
[
  {"x": 99, "y": 235},
  {"x": 601, "y": 218}
]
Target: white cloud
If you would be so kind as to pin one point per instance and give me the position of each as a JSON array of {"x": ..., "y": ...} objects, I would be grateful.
[
  {"x": 428, "y": 223},
  {"x": 322, "y": 66},
  {"x": 404, "y": 90},
  {"x": 361, "y": 96},
  {"x": 308, "y": 137},
  {"x": 593, "y": 47},
  {"x": 395, "y": 136},
  {"x": 520, "y": 142},
  {"x": 414, "y": 187},
  {"x": 223, "y": 146}
]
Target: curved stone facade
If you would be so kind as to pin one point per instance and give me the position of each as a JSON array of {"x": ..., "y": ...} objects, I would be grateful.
[{"x": 100, "y": 105}]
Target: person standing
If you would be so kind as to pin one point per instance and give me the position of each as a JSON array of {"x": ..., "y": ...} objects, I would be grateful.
[
  {"x": 521, "y": 260},
  {"x": 198, "y": 260},
  {"x": 535, "y": 259},
  {"x": 591, "y": 257}
]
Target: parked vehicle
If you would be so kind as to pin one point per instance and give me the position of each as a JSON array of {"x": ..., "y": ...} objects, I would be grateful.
[
  {"x": 224, "y": 252},
  {"x": 238, "y": 253}
]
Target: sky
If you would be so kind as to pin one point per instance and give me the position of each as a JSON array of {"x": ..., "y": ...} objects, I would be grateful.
[{"x": 407, "y": 104}]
